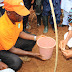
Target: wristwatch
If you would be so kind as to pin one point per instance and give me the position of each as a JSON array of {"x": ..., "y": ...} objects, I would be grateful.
[{"x": 35, "y": 38}]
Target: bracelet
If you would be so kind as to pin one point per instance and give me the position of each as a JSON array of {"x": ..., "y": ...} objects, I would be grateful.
[{"x": 35, "y": 38}]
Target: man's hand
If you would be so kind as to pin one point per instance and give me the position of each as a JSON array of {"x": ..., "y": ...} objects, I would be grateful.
[
  {"x": 62, "y": 44},
  {"x": 67, "y": 53},
  {"x": 37, "y": 55},
  {"x": 3, "y": 66}
]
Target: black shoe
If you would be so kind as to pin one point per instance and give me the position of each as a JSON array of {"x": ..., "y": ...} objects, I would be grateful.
[{"x": 45, "y": 29}]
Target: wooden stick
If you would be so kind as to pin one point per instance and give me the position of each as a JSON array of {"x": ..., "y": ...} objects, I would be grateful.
[{"x": 55, "y": 25}]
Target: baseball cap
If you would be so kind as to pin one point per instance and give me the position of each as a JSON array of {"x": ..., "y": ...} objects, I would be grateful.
[{"x": 17, "y": 6}]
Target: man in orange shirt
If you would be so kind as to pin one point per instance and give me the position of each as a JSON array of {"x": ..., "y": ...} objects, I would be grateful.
[{"x": 13, "y": 41}]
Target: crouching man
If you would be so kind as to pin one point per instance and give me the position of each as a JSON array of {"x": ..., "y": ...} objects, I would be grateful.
[{"x": 13, "y": 41}]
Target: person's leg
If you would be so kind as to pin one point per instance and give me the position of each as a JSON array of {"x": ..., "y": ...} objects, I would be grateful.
[
  {"x": 27, "y": 4},
  {"x": 38, "y": 20},
  {"x": 51, "y": 22},
  {"x": 12, "y": 60},
  {"x": 34, "y": 5},
  {"x": 38, "y": 12},
  {"x": 25, "y": 20},
  {"x": 26, "y": 45},
  {"x": 45, "y": 22}
]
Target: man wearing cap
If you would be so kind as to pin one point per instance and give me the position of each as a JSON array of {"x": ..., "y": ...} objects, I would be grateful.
[
  {"x": 13, "y": 41},
  {"x": 63, "y": 43}
]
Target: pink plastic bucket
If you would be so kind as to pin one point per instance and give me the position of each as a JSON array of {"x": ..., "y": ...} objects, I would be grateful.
[{"x": 46, "y": 45}]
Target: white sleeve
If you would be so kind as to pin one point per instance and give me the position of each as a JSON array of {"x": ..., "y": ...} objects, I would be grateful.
[
  {"x": 7, "y": 70},
  {"x": 70, "y": 27}
]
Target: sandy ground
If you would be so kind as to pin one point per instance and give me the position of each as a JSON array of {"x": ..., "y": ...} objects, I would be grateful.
[{"x": 36, "y": 65}]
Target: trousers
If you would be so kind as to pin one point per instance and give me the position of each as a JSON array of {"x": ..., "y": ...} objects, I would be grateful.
[{"x": 12, "y": 60}]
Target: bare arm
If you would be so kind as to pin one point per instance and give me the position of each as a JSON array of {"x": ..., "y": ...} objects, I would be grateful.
[
  {"x": 68, "y": 36},
  {"x": 29, "y": 36},
  {"x": 63, "y": 43},
  {"x": 22, "y": 52},
  {"x": 26, "y": 36},
  {"x": 66, "y": 53},
  {"x": 3, "y": 66}
]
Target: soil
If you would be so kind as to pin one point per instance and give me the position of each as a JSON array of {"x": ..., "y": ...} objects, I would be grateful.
[{"x": 37, "y": 65}]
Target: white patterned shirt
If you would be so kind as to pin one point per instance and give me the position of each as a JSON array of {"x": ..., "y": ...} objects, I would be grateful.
[{"x": 66, "y": 5}]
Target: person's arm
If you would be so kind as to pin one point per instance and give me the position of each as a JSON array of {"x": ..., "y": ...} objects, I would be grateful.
[
  {"x": 26, "y": 36},
  {"x": 67, "y": 53},
  {"x": 3, "y": 66},
  {"x": 63, "y": 43},
  {"x": 22, "y": 52},
  {"x": 29, "y": 36},
  {"x": 68, "y": 36}
]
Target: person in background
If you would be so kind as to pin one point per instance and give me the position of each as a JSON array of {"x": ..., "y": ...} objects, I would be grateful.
[
  {"x": 1, "y": 9},
  {"x": 13, "y": 40},
  {"x": 66, "y": 5},
  {"x": 63, "y": 43},
  {"x": 38, "y": 4},
  {"x": 27, "y": 4},
  {"x": 47, "y": 12}
]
